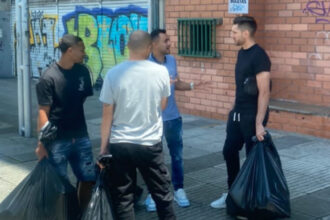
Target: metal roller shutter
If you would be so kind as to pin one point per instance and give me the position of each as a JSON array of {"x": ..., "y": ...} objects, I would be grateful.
[{"x": 104, "y": 26}]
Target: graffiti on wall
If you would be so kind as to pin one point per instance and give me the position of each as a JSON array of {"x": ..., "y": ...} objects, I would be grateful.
[
  {"x": 321, "y": 47},
  {"x": 105, "y": 33},
  {"x": 320, "y": 9},
  {"x": 318, "y": 56},
  {"x": 43, "y": 40}
]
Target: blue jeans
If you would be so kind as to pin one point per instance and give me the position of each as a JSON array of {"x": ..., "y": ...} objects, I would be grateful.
[
  {"x": 173, "y": 136},
  {"x": 78, "y": 152}
]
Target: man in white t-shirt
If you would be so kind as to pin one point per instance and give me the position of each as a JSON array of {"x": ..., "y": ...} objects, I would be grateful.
[{"x": 133, "y": 95}]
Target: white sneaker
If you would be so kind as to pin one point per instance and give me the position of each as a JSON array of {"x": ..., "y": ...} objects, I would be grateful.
[
  {"x": 220, "y": 203},
  {"x": 181, "y": 198},
  {"x": 150, "y": 204}
]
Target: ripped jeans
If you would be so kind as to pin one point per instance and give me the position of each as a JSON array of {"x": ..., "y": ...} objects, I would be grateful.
[{"x": 78, "y": 152}]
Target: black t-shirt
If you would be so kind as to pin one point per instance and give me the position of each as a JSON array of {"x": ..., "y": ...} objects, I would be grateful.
[
  {"x": 65, "y": 91},
  {"x": 250, "y": 62}
]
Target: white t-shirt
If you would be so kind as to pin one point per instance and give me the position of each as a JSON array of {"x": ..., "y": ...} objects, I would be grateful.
[{"x": 136, "y": 89}]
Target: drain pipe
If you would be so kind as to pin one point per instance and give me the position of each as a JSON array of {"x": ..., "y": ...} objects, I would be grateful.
[{"x": 23, "y": 68}]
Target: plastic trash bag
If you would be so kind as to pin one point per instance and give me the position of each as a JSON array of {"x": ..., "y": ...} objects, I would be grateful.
[
  {"x": 260, "y": 189},
  {"x": 99, "y": 208},
  {"x": 42, "y": 195}
]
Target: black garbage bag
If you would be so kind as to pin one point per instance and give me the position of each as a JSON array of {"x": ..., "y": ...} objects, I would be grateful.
[
  {"x": 260, "y": 190},
  {"x": 99, "y": 208},
  {"x": 48, "y": 133},
  {"x": 42, "y": 195}
]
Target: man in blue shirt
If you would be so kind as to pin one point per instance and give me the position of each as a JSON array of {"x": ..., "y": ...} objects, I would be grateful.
[{"x": 172, "y": 121}]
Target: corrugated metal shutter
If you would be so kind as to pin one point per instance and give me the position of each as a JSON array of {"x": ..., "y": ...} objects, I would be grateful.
[
  {"x": 43, "y": 37},
  {"x": 104, "y": 26},
  {"x": 124, "y": 18},
  {"x": 13, "y": 39}
]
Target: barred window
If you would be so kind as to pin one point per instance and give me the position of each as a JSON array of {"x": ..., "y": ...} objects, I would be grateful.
[{"x": 197, "y": 37}]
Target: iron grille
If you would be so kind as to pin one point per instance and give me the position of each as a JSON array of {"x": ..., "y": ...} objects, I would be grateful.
[{"x": 197, "y": 37}]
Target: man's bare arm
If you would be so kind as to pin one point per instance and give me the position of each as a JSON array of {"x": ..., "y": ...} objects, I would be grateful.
[
  {"x": 107, "y": 117},
  {"x": 183, "y": 86},
  {"x": 41, "y": 151},
  {"x": 164, "y": 103},
  {"x": 263, "y": 83}
]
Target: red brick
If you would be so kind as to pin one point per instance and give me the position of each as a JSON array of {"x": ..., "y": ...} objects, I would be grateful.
[
  {"x": 294, "y": 42},
  {"x": 300, "y": 27},
  {"x": 315, "y": 27},
  {"x": 294, "y": 6},
  {"x": 285, "y": 13},
  {"x": 293, "y": 20},
  {"x": 195, "y": 2}
]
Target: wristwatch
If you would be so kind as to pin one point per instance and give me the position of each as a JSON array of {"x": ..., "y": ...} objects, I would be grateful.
[{"x": 191, "y": 85}]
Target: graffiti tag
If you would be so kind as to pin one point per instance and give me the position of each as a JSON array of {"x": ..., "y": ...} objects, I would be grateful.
[
  {"x": 318, "y": 9},
  {"x": 37, "y": 14},
  {"x": 43, "y": 41},
  {"x": 105, "y": 33}
]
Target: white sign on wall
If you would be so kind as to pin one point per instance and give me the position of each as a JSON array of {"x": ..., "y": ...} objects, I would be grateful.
[{"x": 238, "y": 7}]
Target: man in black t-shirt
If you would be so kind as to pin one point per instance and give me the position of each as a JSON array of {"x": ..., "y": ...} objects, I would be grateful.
[
  {"x": 250, "y": 112},
  {"x": 62, "y": 90}
]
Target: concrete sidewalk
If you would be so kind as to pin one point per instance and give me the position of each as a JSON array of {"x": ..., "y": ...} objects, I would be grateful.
[{"x": 305, "y": 159}]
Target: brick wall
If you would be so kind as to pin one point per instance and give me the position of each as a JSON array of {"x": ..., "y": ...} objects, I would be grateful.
[
  {"x": 215, "y": 101},
  {"x": 299, "y": 47},
  {"x": 297, "y": 42},
  {"x": 300, "y": 123}
]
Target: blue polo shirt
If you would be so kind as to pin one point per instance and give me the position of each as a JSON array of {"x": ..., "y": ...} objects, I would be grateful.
[{"x": 171, "y": 112}]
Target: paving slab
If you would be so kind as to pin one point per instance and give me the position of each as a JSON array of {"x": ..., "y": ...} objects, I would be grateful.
[
  {"x": 305, "y": 161},
  {"x": 311, "y": 205},
  {"x": 5, "y": 188}
]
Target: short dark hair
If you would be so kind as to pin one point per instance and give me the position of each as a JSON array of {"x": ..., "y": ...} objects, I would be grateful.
[
  {"x": 68, "y": 41},
  {"x": 246, "y": 23},
  {"x": 155, "y": 34}
]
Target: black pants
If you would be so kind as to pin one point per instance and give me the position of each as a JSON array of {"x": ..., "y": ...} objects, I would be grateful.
[
  {"x": 241, "y": 127},
  {"x": 150, "y": 162}
]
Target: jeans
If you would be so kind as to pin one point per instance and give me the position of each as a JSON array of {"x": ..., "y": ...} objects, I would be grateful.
[
  {"x": 77, "y": 152},
  {"x": 173, "y": 136}
]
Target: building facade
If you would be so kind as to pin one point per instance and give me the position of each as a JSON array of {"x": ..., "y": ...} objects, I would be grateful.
[
  {"x": 295, "y": 34},
  {"x": 103, "y": 25}
]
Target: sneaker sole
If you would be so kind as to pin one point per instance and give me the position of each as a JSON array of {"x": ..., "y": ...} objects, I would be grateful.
[
  {"x": 218, "y": 207},
  {"x": 182, "y": 204}
]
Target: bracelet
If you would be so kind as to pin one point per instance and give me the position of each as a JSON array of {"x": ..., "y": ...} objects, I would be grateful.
[
  {"x": 191, "y": 85},
  {"x": 42, "y": 130}
]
